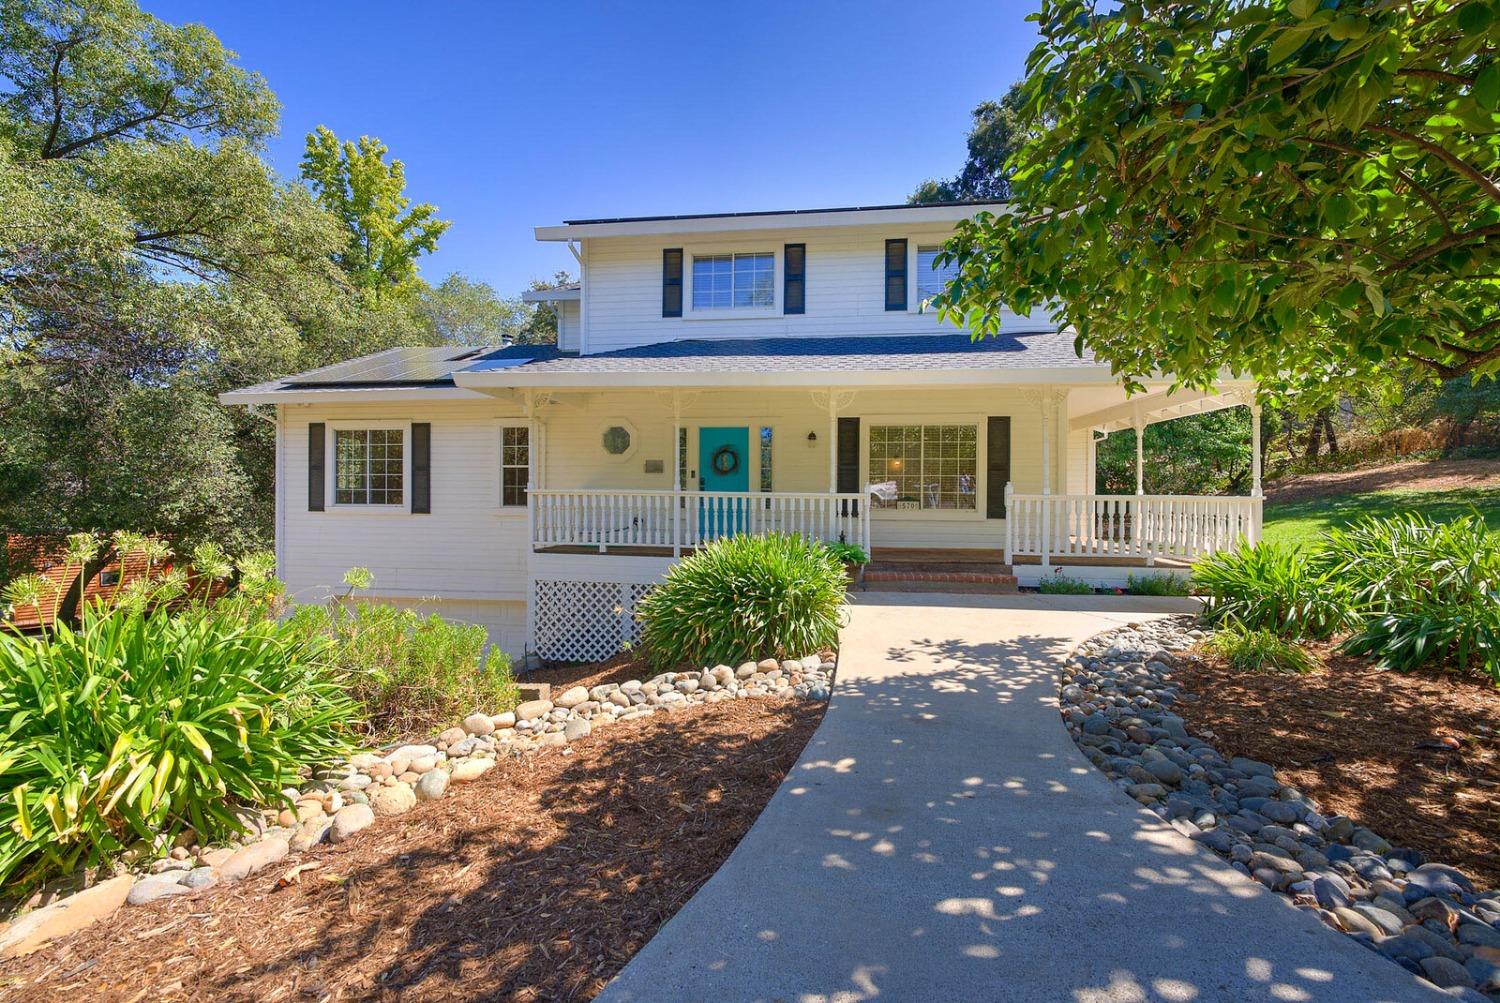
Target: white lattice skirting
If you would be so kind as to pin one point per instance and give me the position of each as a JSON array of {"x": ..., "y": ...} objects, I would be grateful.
[{"x": 584, "y": 621}]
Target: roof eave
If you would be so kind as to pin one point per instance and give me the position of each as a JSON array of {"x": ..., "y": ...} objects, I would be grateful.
[
  {"x": 347, "y": 395},
  {"x": 517, "y": 379},
  {"x": 817, "y": 218}
]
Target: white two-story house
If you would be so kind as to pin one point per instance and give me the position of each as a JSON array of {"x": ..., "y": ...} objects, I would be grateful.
[{"x": 718, "y": 374}]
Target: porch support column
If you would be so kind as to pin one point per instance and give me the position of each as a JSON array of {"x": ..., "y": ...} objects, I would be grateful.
[
  {"x": 833, "y": 442},
  {"x": 1139, "y": 423},
  {"x": 1255, "y": 490},
  {"x": 1257, "y": 496},
  {"x": 676, "y": 514},
  {"x": 1048, "y": 404}
]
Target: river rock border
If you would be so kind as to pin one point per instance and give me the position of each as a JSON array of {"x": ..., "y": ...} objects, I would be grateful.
[
  {"x": 338, "y": 803},
  {"x": 1117, "y": 699}
]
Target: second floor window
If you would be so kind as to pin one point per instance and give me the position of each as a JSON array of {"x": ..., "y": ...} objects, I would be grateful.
[
  {"x": 932, "y": 280},
  {"x": 734, "y": 281}
]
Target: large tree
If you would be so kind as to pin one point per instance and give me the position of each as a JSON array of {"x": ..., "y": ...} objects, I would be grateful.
[
  {"x": 149, "y": 258},
  {"x": 386, "y": 233},
  {"x": 1306, "y": 189},
  {"x": 995, "y": 136},
  {"x": 464, "y": 312}
]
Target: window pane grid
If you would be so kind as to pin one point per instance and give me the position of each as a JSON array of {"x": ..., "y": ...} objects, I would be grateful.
[
  {"x": 369, "y": 466},
  {"x": 725, "y": 281},
  {"x": 924, "y": 466},
  {"x": 932, "y": 280},
  {"x": 515, "y": 464}
]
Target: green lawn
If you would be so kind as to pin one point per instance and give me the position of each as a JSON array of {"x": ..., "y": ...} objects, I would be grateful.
[{"x": 1302, "y": 522}]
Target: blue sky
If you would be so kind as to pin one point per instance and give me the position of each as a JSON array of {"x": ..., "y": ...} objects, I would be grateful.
[{"x": 510, "y": 116}]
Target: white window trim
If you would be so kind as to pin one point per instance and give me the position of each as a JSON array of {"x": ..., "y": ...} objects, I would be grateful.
[
  {"x": 760, "y": 449},
  {"x": 499, "y": 441},
  {"x": 981, "y": 474},
  {"x": 914, "y": 300},
  {"x": 778, "y": 273},
  {"x": 331, "y": 468}
]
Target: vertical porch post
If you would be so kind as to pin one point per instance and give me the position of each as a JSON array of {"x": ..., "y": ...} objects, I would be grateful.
[
  {"x": 1139, "y": 424},
  {"x": 1257, "y": 496},
  {"x": 1046, "y": 548},
  {"x": 677, "y": 513},
  {"x": 833, "y": 442}
]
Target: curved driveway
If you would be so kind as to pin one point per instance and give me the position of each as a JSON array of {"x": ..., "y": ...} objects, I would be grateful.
[{"x": 942, "y": 839}]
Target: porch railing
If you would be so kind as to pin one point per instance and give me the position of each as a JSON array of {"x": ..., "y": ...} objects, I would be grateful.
[
  {"x": 1183, "y": 527},
  {"x": 605, "y": 518}
]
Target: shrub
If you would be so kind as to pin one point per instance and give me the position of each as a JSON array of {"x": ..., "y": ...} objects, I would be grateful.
[
  {"x": 1060, "y": 584},
  {"x": 848, "y": 553},
  {"x": 1258, "y": 649},
  {"x": 141, "y": 722},
  {"x": 1273, "y": 588},
  {"x": 410, "y": 672},
  {"x": 1157, "y": 584},
  {"x": 1424, "y": 591},
  {"x": 743, "y": 597}
]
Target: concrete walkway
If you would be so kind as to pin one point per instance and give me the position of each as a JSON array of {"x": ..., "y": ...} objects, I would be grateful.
[{"x": 942, "y": 839}]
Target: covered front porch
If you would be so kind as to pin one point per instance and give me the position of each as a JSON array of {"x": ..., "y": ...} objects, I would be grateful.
[{"x": 949, "y": 476}]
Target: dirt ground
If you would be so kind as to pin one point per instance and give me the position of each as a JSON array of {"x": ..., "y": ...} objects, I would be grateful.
[
  {"x": 537, "y": 882},
  {"x": 1416, "y": 757},
  {"x": 1411, "y": 475}
]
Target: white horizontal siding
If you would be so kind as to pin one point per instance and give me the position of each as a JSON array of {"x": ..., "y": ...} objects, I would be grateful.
[
  {"x": 845, "y": 288},
  {"x": 504, "y": 621},
  {"x": 468, "y": 547},
  {"x": 567, "y": 325}
]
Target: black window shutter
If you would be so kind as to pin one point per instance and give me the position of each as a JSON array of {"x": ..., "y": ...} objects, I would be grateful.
[
  {"x": 997, "y": 467},
  {"x": 895, "y": 274},
  {"x": 794, "y": 279},
  {"x": 316, "y": 440},
  {"x": 671, "y": 282},
  {"x": 421, "y": 467},
  {"x": 848, "y": 458}
]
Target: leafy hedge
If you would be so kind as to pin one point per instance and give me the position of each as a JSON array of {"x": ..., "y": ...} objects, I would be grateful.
[
  {"x": 144, "y": 721},
  {"x": 745, "y": 597},
  {"x": 1407, "y": 590},
  {"x": 410, "y": 672},
  {"x": 1271, "y": 587}
]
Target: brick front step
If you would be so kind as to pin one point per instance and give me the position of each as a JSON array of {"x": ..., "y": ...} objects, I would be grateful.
[
  {"x": 877, "y": 579},
  {"x": 970, "y": 577}
]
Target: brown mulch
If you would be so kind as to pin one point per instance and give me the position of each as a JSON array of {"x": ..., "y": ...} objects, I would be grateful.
[
  {"x": 1409, "y": 475},
  {"x": 1376, "y": 746},
  {"x": 621, "y": 668},
  {"x": 536, "y": 882}
]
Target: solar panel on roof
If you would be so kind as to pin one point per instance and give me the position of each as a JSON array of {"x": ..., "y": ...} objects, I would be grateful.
[
  {"x": 400, "y": 365},
  {"x": 502, "y": 363}
]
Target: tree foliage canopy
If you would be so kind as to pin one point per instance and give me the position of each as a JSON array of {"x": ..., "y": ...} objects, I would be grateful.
[
  {"x": 150, "y": 259},
  {"x": 986, "y": 173},
  {"x": 1304, "y": 189},
  {"x": 387, "y": 233}
]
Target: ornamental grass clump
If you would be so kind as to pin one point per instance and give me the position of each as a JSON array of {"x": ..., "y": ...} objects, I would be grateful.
[
  {"x": 745, "y": 597},
  {"x": 1424, "y": 591},
  {"x": 142, "y": 722},
  {"x": 1275, "y": 588},
  {"x": 1259, "y": 650}
]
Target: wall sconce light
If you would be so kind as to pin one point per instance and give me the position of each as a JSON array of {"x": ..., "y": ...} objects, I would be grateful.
[{"x": 812, "y": 439}]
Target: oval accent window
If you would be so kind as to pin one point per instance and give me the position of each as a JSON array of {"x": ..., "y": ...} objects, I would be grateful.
[{"x": 616, "y": 440}]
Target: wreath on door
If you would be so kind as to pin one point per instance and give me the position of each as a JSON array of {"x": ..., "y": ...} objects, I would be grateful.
[{"x": 725, "y": 461}]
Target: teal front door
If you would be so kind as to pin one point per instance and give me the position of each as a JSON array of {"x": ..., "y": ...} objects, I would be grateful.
[{"x": 723, "y": 465}]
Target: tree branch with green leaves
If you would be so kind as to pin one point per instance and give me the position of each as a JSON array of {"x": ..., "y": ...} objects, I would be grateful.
[{"x": 1304, "y": 191}]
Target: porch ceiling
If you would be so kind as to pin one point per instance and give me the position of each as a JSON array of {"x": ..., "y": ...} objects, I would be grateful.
[{"x": 1163, "y": 406}]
